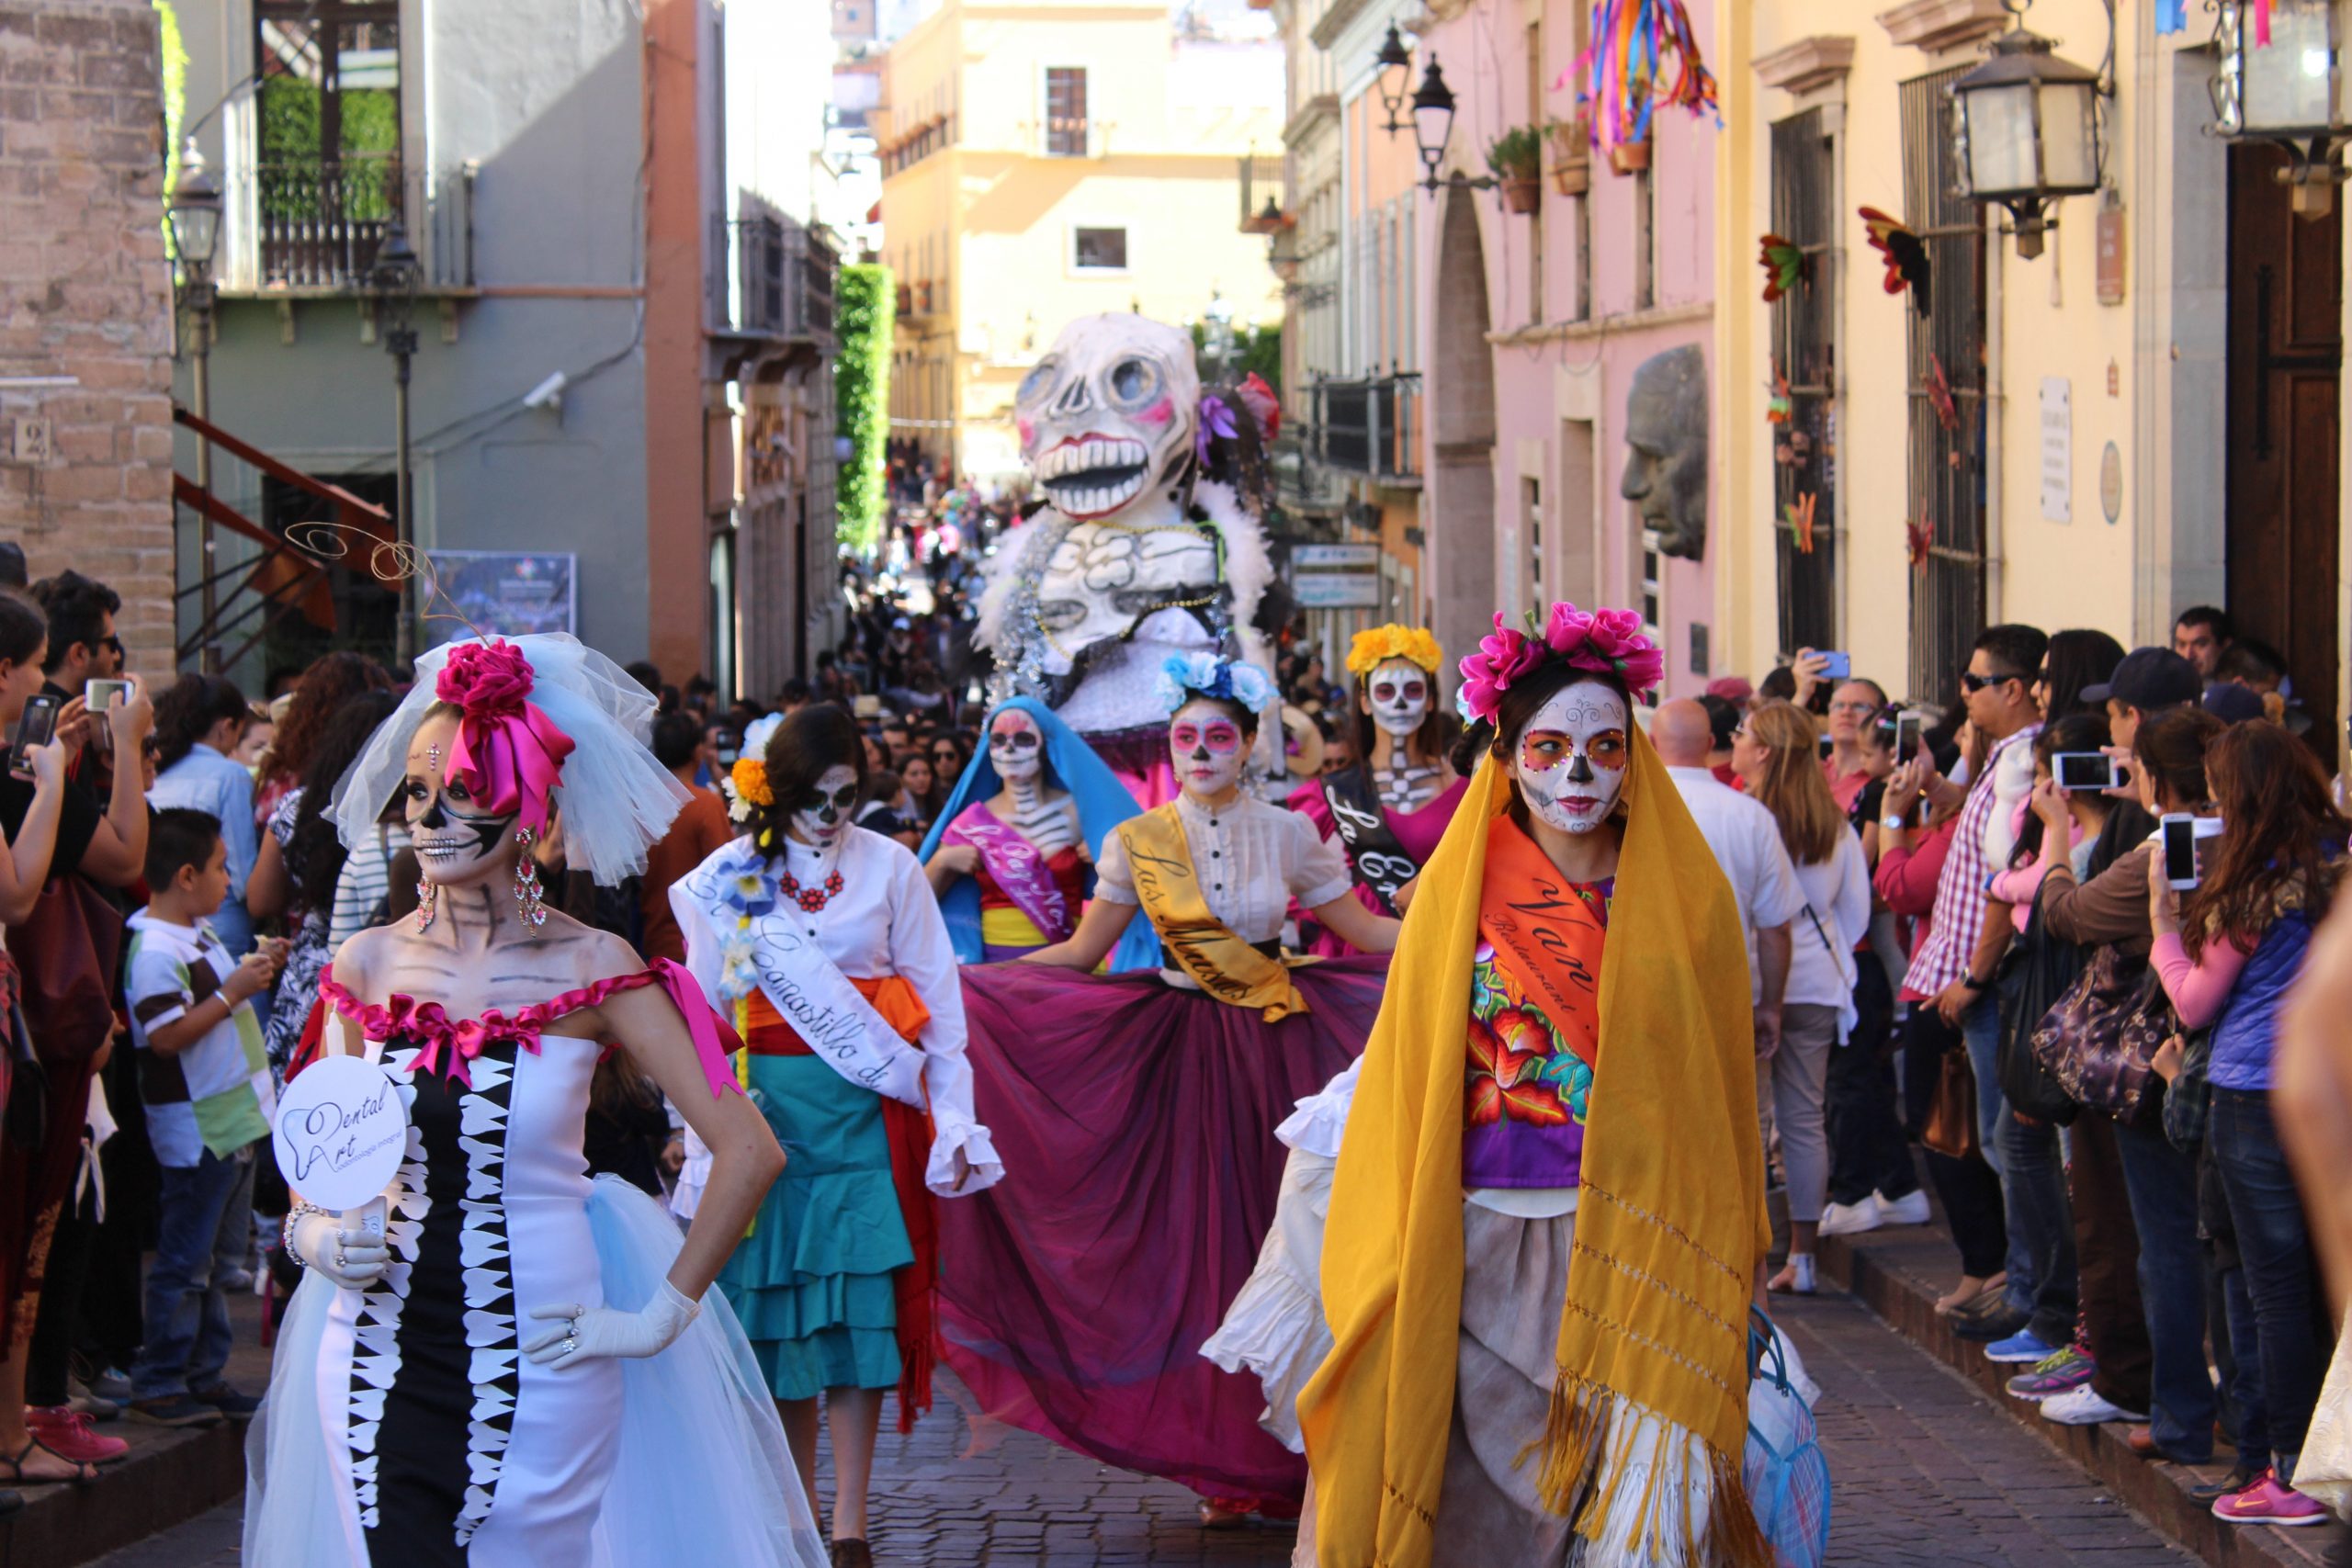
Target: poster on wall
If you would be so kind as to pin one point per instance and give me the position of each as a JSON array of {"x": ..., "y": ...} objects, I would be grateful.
[{"x": 505, "y": 592}]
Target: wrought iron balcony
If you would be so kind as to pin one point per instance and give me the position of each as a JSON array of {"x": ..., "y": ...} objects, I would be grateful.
[
  {"x": 771, "y": 279},
  {"x": 1370, "y": 425},
  {"x": 315, "y": 228}
]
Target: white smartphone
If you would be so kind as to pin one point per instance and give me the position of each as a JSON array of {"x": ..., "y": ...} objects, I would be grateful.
[
  {"x": 2090, "y": 771},
  {"x": 2179, "y": 850}
]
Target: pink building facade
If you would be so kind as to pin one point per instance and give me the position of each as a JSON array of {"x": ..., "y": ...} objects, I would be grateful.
[{"x": 1535, "y": 329}]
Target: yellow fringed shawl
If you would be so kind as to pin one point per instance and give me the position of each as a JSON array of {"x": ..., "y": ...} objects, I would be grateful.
[{"x": 1670, "y": 1224}]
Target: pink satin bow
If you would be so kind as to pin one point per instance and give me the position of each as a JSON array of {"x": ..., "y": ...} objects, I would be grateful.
[{"x": 508, "y": 752}]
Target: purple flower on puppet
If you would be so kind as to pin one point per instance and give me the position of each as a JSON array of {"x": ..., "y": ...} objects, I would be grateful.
[
  {"x": 1216, "y": 423},
  {"x": 1604, "y": 642}
]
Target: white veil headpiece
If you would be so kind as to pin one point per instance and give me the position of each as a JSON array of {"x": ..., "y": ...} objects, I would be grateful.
[{"x": 618, "y": 799}]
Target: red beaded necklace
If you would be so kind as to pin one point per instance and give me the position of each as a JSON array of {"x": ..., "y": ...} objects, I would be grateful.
[{"x": 809, "y": 898}]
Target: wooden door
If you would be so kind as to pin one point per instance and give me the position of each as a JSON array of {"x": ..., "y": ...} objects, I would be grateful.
[{"x": 2286, "y": 356}]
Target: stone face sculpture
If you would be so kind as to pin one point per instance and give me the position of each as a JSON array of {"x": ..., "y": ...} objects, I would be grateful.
[
  {"x": 1135, "y": 557},
  {"x": 1666, "y": 470}
]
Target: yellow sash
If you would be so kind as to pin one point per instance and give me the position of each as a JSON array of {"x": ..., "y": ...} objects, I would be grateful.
[{"x": 1226, "y": 966}]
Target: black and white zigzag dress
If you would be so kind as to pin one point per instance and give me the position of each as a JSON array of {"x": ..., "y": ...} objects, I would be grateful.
[{"x": 442, "y": 1444}]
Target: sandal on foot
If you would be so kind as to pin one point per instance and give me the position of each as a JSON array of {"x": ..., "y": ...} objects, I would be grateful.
[{"x": 82, "y": 1473}]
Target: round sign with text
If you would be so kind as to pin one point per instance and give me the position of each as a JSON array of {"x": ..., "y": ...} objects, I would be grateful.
[{"x": 342, "y": 1132}]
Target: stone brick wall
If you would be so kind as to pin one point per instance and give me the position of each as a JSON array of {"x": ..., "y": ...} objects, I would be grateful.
[{"x": 85, "y": 292}]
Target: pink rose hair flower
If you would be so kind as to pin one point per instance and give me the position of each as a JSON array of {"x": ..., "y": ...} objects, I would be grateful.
[
  {"x": 1503, "y": 656},
  {"x": 508, "y": 752}
]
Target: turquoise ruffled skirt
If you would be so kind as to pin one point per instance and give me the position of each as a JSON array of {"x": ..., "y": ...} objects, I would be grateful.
[{"x": 811, "y": 1283}]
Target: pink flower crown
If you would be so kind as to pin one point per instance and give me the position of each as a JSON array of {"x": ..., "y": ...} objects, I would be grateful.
[{"x": 1607, "y": 642}]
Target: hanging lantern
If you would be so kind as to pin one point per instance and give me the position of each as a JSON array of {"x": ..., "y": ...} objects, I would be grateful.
[
  {"x": 2026, "y": 132},
  {"x": 2281, "y": 80}
]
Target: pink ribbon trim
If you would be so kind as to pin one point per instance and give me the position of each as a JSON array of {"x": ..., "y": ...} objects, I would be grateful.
[{"x": 446, "y": 1045}]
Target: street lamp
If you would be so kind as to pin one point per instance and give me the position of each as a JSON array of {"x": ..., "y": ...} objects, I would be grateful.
[
  {"x": 393, "y": 279},
  {"x": 2290, "y": 91},
  {"x": 194, "y": 214},
  {"x": 1395, "y": 66},
  {"x": 1433, "y": 119},
  {"x": 2026, "y": 132}
]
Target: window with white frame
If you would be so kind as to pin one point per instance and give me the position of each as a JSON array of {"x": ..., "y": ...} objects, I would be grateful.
[{"x": 1098, "y": 249}]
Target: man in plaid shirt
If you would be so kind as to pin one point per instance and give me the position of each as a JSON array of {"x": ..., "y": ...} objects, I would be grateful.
[{"x": 1951, "y": 967}]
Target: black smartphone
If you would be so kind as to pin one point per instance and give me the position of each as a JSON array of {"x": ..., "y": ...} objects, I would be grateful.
[
  {"x": 2180, "y": 851},
  {"x": 2093, "y": 771},
  {"x": 730, "y": 748},
  {"x": 1907, "y": 726},
  {"x": 36, "y": 726},
  {"x": 1828, "y": 747}
]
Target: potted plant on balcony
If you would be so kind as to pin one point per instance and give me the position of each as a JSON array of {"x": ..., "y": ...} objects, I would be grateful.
[
  {"x": 1630, "y": 157},
  {"x": 1517, "y": 159},
  {"x": 1571, "y": 154}
]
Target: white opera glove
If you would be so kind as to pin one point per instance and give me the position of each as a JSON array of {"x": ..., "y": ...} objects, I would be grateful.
[
  {"x": 581, "y": 1332},
  {"x": 349, "y": 1248}
]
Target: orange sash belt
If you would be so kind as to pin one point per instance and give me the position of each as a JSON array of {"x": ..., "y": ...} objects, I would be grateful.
[{"x": 915, "y": 1288}]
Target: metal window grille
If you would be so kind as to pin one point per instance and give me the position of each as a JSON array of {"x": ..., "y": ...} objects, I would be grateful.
[
  {"x": 1947, "y": 460},
  {"x": 1804, "y": 354},
  {"x": 1066, "y": 112}
]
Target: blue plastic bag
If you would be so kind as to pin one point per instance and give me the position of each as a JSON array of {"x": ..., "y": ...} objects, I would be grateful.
[{"x": 1785, "y": 1471}]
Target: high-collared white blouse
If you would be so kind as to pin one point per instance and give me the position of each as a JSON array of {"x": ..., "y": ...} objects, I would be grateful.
[
  {"x": 1252, "y": 859},
  {"x": 885, "y": 920}
]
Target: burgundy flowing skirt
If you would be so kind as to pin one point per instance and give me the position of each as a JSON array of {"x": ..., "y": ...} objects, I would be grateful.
[{"x": 1136, "y": 1125}]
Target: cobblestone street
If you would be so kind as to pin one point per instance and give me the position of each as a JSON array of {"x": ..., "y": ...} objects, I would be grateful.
[{"x": 1924, "y": 1471}]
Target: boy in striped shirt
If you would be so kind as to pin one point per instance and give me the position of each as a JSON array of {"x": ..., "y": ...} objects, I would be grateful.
[{"x": 205, "y": 1082}]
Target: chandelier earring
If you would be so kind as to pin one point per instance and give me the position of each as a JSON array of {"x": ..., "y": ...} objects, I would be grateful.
[
  {"x": 529, "y": 895},
  {"x": 428, "y": 905}
]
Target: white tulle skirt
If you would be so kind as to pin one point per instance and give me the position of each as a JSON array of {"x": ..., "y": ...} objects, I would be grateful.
[{"x": 704, "y": 1473}]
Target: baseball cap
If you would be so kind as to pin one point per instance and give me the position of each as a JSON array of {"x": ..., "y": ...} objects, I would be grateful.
[
  {"x": 2148, "y": 678},
  {"x": 2233, "y": 704}
]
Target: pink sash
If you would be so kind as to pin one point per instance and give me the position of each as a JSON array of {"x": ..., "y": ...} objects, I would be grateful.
[{"x": 1017, "y": 867}]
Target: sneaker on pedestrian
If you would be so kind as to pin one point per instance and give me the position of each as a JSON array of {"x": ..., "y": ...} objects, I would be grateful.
[
  {"x": 173, "y": 1410},
  {"x": 2239, "y": 1478},
  {"x": 2063, "y": 1372},
  {"x": 109, "y": 1382},
  {"x": 65, "y": 1432},
  {"x": 1852, "y": 1219},
  {"x": 2085, "y": 1407},
  {"x": 2023, "y": 1347},
  {"x": 96, "y": 1409},
  {"x": 228, "y": 1401},
  {"x": 2268, "y": 1502},
  {"x": 1911, "y": 1209},
  {"x": 234, "y": 1281}
]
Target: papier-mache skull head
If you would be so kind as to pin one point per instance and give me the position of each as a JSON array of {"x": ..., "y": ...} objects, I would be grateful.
[{"x": 1109, "y": 414}]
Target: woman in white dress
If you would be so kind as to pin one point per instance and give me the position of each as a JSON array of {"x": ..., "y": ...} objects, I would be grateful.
[{"x": 516, "y": 1366}]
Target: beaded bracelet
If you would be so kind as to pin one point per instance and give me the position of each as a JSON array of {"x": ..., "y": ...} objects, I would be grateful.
[{"x": 287, "y": 1230}]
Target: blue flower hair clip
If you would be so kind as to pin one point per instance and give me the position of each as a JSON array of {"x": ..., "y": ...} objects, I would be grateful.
[{"x": 1185, "y": 676}]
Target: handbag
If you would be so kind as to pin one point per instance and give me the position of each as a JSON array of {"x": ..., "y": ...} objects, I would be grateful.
[
  {"x": 65, "y": 957},
  {"x": 1950, "y": 1129},
  {"x": 1781, "y": 1465},
  {"x": 2098, "y": 1042},
  {"x": 26, "y": 1088},
  {"x": 2037, "y": 971}
]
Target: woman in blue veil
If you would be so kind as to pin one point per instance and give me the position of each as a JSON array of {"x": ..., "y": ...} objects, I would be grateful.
[{"x": 1012, "y": 853}]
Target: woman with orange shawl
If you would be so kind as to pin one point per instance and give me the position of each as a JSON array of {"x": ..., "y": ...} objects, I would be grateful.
[{"x": 1548, "y": 1213}]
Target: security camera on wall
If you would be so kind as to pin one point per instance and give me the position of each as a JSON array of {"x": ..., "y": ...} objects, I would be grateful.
[{"x": 549, "y": 394}]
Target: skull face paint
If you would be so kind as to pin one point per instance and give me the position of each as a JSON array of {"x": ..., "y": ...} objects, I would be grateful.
[
  {"x": 1207, "y": 749},
  {"x": 1396, "y": 694},
  {"x": 457, "y": 841},
  {"x": 1016, "y": 748},
  {"x": 821, "y": 819},
  {"x": 1109, "y": 412},
  {"x": 1571, "y": 757}
]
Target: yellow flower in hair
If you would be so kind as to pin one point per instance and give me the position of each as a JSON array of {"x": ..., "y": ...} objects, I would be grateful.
[
  {"x": 1372, "y": 648},
  {"x": 747, "y": 786}
]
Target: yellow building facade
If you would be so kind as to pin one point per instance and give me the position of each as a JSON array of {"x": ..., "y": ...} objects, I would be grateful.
[
  {"x": 1048, "y": 159},
  {"x": 2139, "y": 419}
]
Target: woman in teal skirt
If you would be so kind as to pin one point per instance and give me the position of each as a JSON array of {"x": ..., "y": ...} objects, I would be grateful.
[{"x": 824, "y": 943}]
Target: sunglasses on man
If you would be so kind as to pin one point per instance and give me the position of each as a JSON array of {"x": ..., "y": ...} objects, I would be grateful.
[{"x": 1971, "y": 682}]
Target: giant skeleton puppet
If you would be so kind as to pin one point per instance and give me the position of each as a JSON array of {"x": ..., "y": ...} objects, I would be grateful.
[{"x": 1147, "y": 546}]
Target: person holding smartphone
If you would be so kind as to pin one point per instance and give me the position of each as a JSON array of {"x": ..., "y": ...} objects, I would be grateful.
[
  {"x": 2227, "y": 953},
  {"x": 55, "y": 830}
]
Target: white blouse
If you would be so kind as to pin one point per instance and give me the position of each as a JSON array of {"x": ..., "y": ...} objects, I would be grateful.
[
  {"x": 1252, "y": 859},
  {"x": 883, "y": 921}
]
